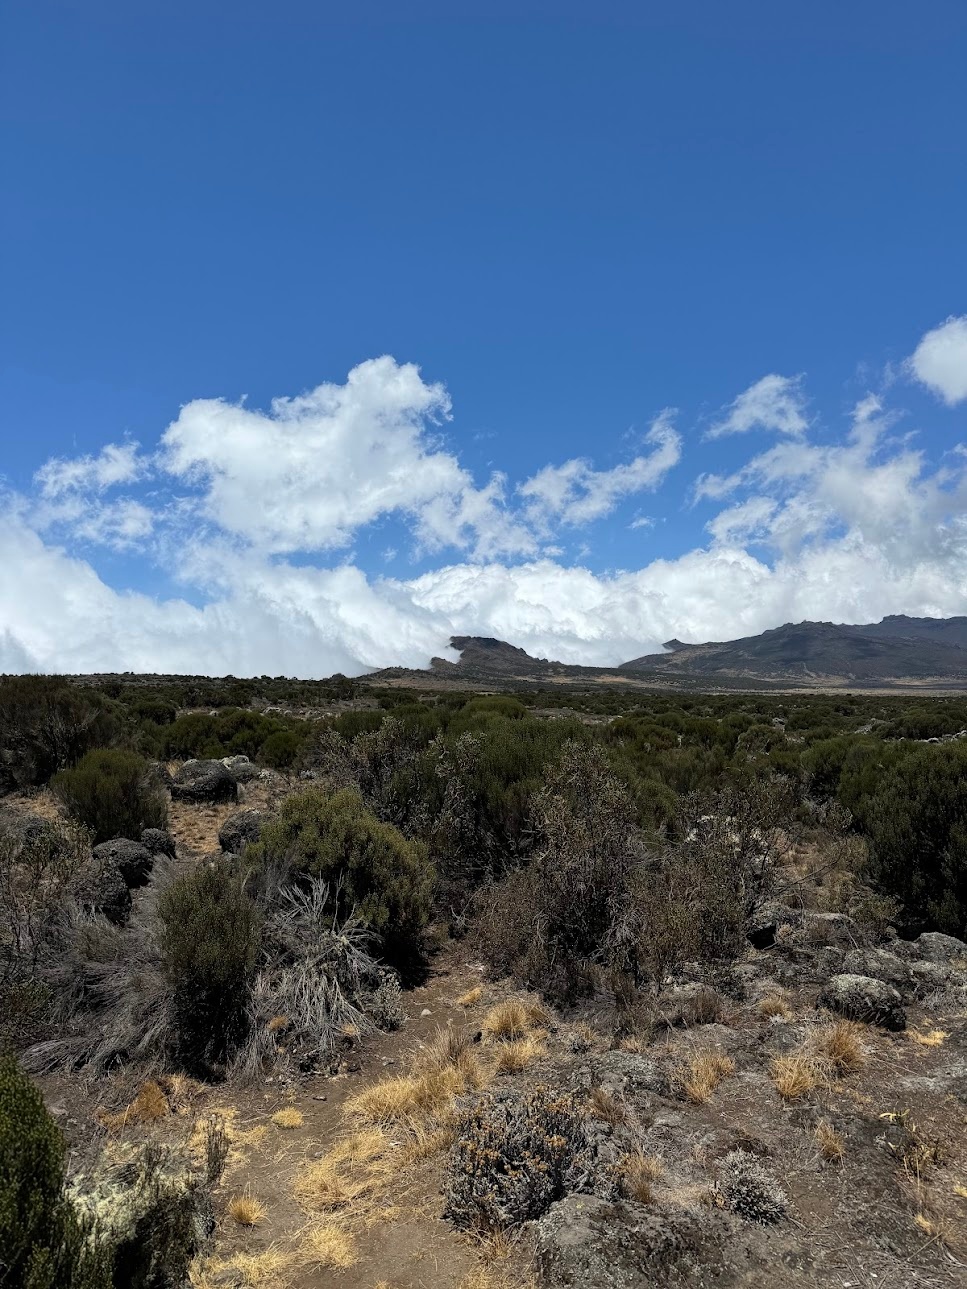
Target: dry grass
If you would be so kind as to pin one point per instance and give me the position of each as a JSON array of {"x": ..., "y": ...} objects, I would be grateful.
[
  {"x": 491, "y": 1276},
  {"x": 632, "y": 1043},
  {"x": 406, "y": 1097},
  {"x": 772, "y": 1005},
  {"x": 703, "y": 1072},
  {"x": 277, "y": 1023},
  {"x": 518, "y": 1054},
  {"x": 932, "y": 1038},
  {"x": 604, "y": 1105},
  {"x": 828, "y": 1141},
  {"x": 265, "y": 1270},
  {"x": 513, "y": 1019},
  {"x": 354, "y": 1168},
  {"x": 148, "y": 1106},
  {"x": 796, "y": 1074},
  {"x": 246, "y": 1210},
  {"x": 327, "y": 1244},
  {"x": 638, "y": 1173},
  {"x": 288, "y": 1117},
  {"x": 471, "y": 997},
  {"x": 842, "y": 1045},
  {"x": 452, "y": 1049},
  {"x": 960, "y": 1191}
]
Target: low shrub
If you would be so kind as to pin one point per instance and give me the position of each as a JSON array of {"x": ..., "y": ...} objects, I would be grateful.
[
  {"x": 513, "y": 1159},
  {"x": 47, "y": 724},
  {"x": 751, "y": 1190},
  {"x": 209, "y": 935},
  {"x": 111, "y": 792},
  {"x": 44, "y": 1244}
]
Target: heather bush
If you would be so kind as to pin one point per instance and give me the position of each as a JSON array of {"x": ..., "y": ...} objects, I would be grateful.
[
  {"x": 47, "y": 724},
  {"x": 43, "y": 1242},
  {"x": 111, "y": 791},
  {"x": 209, "y": 938}
]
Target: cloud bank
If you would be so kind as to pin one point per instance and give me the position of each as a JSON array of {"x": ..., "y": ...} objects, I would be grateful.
[{"x": 256, "y": 512}]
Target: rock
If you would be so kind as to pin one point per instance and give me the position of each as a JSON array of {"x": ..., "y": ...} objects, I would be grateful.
[
  {"x": 101, "y": 888},
  {"x": 204, "y": 781},
  {"x": 934, "y": 946},
  {"x": 159, "y": 842},
  {"x": 629, "y": 1075},
  {"x": 836, "y": 929},
  {"x": 133, "y": 859},
  {"x": 239, "y": 829},
  {"x": 880, "y": 965},
  {"x": 765, "y": 923},
  {"x": 863, "y": 998},
  {"x": 240, "y": 768}
]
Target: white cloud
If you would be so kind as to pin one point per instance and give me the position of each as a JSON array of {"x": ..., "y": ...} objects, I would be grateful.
[
  {"x": 115, "y": 464},
  {"x": 940, "y": 361},
  {"x": 772, "y": 403},
  {"x": 575, "y": 493}
]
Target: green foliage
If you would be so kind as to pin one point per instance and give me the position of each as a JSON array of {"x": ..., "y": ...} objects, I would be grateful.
[
  {"x": 275, "y": 740},
  {"x": 43, "y": 1244},
  {"x": 918, "y": 836},
  {"x": 47, "y": 724},
  {"x": 110, "y": 791},
  {"x": 209, "y": 935},
  {"x": 370, "y": 866}
]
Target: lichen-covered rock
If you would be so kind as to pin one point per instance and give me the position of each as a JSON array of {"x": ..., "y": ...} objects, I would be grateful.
[
  {"x": 880, "y": 964},
  {"x": 627, "y": 1075},
  {"x": 239, "y": 829},
  {"x": 204, "y": 782},
  {"x": 159, "y": 842},
  {"x": 863, "y": 998},
  {"x": 934, "y": 946},
  {"x": 132, "y": 858},
  {"x": 240, "y": 768},
  {"x": 765, "y": 924}
]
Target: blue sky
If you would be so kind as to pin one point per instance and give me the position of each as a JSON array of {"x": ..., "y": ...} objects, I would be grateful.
[{"x": 570, "y": 219}]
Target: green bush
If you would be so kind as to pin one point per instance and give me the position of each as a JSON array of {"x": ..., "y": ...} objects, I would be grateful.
[
  {"x": 110, "y": 792},
  {"x": 370, "y": 866},
  {"x": 209, "y": 935},
  {"x": 43, "y": 1244},
  {"x": 917, "y": 827},
  {"x": 47, "y": 724}
]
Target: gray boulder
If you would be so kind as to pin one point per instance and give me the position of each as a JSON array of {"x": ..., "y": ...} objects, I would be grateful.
[
  {"x": 239, "y": 829},
  {"x": 934, "y": 946},
  {"x": 204, "y": 782},
  {"x": 881, "y": 965},
  {"x": 101, "y": 888},
  {"x": 133, "y": 859},
  {"x": 836, "y": 929},
  {"x": 159, "y": 842},
  {"x": 863, "y": 998}
]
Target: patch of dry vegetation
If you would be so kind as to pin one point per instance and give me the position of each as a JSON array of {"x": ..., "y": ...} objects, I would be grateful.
[
  {"x": 288, "y": 1117},
  {"x": 829, "y": 1142},
  {"x": 328, "y": 1244},
  {"x": 471, "y": 997},
  {"x": 513, "y": 1019},
  {"x": 774, "y": 1005},
  {"x": 639, "y": 1171},
  {"x": 841, "y": 1045},
  {"x": 930, "y": 1038},
  {"x": 518, "y": 1055},
  {"x": 702, "y": 1073},
  {"x": 795, "y": 1074},
  {"x": 246, "y": 1210}
]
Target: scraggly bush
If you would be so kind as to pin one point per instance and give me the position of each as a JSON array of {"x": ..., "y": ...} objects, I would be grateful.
[
  {"x": 47, "y": 724},
  {"x": 43, "y": 1242},
  {"x": 751, "y": 1190},
  {"x": 209, "y": 938},
  {"x": 513, "y": 1159},
  {"x": 371, "y": 869},
  {"x": 111, "y": 792}
]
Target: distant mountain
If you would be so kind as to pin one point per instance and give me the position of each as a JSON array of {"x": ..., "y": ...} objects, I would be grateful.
[
  {"x": 897, "y": 649},
  {"x": 898, "y": 652}
]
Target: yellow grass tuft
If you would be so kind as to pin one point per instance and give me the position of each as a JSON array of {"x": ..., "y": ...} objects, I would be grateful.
[
  {"x": 327, "y": 1244},
  {"x": 841, "y": 1044},
  {"x": 795, "y": 1074},
  {"x": 277, "y": 1023},
  {"x": 148, "y": 1106},
  {"x": 288, "y": 1117},
  {"x": 638, "y": 1172},
  {"x": 407, "y": 1096},
  {"x": 703, "y": 1072},
  {"x": 452, "y": 1049},
  {"x": 514, "y": 1018},
  {"x": 960, "y": 1191},
  {"x": 518, "y": 1054},
  {"x": 604, "y": 1105},
  {"x": 349, "y": 1171},
  {"x": 830, "y": 1144},
  {"x": 928, "y": 1227},
  {"x": 773, "y": 1005},
  {"x": 245, "y": 1210},
  {"x": 932, "y": 1038},
  {"x": 265, "y": 1270},
  {"x": 471, "y": 997}
]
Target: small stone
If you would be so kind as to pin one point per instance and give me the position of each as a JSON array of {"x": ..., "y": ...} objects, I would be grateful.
[{"x": 426, "y": 1012}]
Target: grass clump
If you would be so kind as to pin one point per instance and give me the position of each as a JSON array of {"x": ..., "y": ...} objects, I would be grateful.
[
  {"x": 774, "y": 1006},
  {"x": 702, "y": 1073},
  {"x": 639, "y": 1171},
  {"x": 841, "y": 1044},
  {"x": 288, "y": 1117},
  {"x": 829, "y": 1142},
  {"x": 795, "y": 1074},
  {"x": 519, "y": 1054},
  {"x": 246, "y": 1210},
  {"x": 327, "y": 1244}
]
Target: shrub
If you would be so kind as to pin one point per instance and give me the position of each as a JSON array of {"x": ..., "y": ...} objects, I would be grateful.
[
  {"x": 47, "y": 724},
  {"x": 371, "y": 868},
  {"x": 110, "y": 792},
  {"x": 513, "y": 1159},
  {"x": 209, "y": 938},
  {"x": 43, "y": 1243},
  {"x": 751, "y": 1190}
]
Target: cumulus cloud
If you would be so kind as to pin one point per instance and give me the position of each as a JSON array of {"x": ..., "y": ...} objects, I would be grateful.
[
  {"x": 940, "y": 361},
  {"x": 575, "y": 493},
  {"x": 772, "y": 403},
  {"x": 242, "y": 502}
]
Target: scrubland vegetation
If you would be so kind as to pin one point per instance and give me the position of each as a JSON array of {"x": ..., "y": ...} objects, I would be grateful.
[{"x": 642, "y": 879}]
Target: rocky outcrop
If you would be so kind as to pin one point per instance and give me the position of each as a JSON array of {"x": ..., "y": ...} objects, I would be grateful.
[
  {"x": 864, "y": 998},
  {"x": 159, "y": 842},
  {"x": 101, "y": 888},
  {"x": 241, "y": 768},
  {"x": 239, "y": 829},
  {"x": 204, "y": 782},
  {"x": 131, "y": 858},
  {"x": 934, "y": 946}
]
